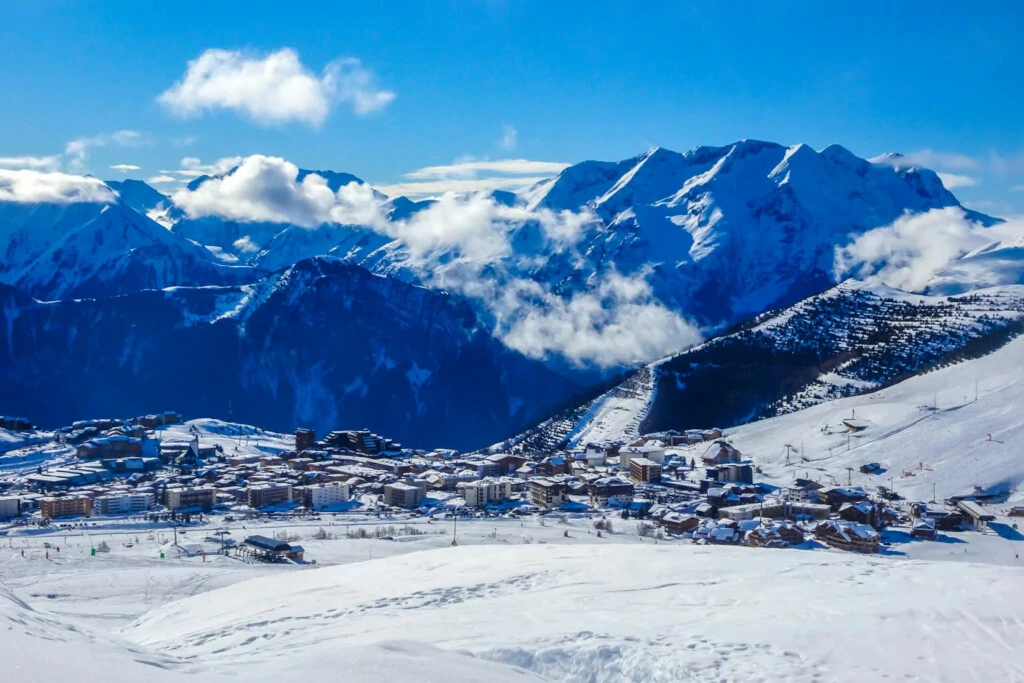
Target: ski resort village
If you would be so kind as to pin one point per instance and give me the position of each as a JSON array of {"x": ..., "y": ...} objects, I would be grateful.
[
  {"x": 869, "y": 500},
  {"x": 694, "y": 485}
]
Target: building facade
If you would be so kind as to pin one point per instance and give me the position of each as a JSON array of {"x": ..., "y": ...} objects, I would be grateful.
[
  {"x": 263, "y": 495},
  {"x": 122, "y": 503},
  {"x": 65, "y": 506},
  {"x": 547, "y": 493},
  {"x": 644, "y": 471},
  {"x": 200, "y": 497},
  {"x": 402, "y": 495},
  {"x": 325, "y": 495}
]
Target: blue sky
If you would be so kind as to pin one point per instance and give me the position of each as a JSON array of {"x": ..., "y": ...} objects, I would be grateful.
[{"x": 449, "y": 80}]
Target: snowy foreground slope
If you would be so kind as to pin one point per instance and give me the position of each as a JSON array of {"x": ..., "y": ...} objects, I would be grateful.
[
  {"x": 602, "y": 613},
  {"x": 40, "y": 648}
]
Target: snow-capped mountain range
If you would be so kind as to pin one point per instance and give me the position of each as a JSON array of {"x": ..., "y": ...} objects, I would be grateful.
[{"x": 717, "y": 234}]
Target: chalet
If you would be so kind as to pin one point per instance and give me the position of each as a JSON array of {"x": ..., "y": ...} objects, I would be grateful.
[
  {"x": 1016, "y": 511},
  {"x": 923, "y": 527},
  {"x": 677, "y": 523},
  {"x": 790, "y": 533},
  {"x": 721, "y": 453},
  {"x": 505, "y": 463},
  {"x": 862, "y": 512},
  {"x": 850, "y": 536},
  {"x": 764, "y": 537},
  {"x": 836, "y": 496}
]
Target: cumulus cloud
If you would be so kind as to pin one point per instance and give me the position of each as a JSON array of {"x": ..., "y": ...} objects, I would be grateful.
[
  {"x": 49, "y": 163},
  {"x": 912, "y": 251},
  {"x": 162, "y": 179},
  {"x": 954, "y": 180},
  {"x": 461, "y": 243},
  {"x": 509, "y": 138},
  {"x": 267, "y": 189},
  {"x": 273, "y": 89},
  {"x": 618, "y": 321},
  {"x": 28, "y": 186},
  {"x": 78, "y": 150},
  {"x": 125, "y": 168}
]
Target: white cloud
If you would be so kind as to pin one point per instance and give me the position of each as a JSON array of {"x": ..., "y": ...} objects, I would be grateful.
[
  {"x": 509, "y": 138},
  {"x": 909, "y": 253},
  {"x": 618, "y": 321},
  {"x": 354, "y": 84},
  {"x": 954, "y": 180},
  {"x": 78, "y": 150},
  {"x": 273, "y": 89},
  {"x": 125, "y": 168},
  {"x": 50, "y": 163},
  {"x": 438, "y": 187},
  {"x": 474, "y": 175},
  {"x": 470, "y": 168},
  {"x": 193, "y": 167},
  {"x": 952, "y": 161},
  {"x": 161, "y": 179},
  {"x": 245, "y": 245},
  {"x": 28, "y": 186},
  {"x": 266, "y": 189}
]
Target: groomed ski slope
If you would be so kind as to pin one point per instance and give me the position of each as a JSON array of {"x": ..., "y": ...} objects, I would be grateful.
[
  {"x": 610, "y": 613},
  {"x": 933, "y": 419}
]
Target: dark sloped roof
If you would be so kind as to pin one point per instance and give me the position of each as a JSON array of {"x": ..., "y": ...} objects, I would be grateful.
[{"x": 269, "y": 544}]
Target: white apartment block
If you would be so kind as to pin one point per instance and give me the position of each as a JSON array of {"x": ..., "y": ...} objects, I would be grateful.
[{"x": 325, "y": 495}]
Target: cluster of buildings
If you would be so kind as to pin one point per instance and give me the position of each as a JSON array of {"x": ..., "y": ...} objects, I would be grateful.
[{"x": 692, "y": 484}]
